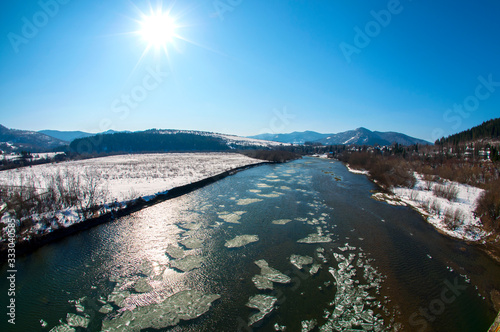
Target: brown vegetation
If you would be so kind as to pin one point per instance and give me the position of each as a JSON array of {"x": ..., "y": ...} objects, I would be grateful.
[
  {"x": 488, "y": 208},
  {"x": 61, "y": 191}
]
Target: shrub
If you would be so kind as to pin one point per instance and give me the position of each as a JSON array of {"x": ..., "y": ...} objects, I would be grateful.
[
  {"x": 450, "y": 192},
  {"x": 488, "y": 207},
  {"x": 453, "y": 218}
]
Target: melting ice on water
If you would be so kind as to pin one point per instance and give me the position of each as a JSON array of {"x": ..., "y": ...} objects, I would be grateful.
[
  {"x": 315, "y": 238},
  {"x": 299, "y": 261},
  {"x": 241, "y": 241},
  {"x": 281, "y": 221},
  {"x": 268, "y": 275},
  {"x": 184, "y": 305},
  {"x": 187, "y": 263},
  {"x": 263, "y": 303}
]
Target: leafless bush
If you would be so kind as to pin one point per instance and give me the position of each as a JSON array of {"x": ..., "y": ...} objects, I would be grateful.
[
  {"x": 414, "y": 196},
  {"x": 450, "y": 192},
  {"x": 453, "y": 218},
  {"x": 428, "y": 181},
  {"x": 435, "y": 206},
  {"x": 488, "y": 207},
  {"x": 60, "y": 190}
]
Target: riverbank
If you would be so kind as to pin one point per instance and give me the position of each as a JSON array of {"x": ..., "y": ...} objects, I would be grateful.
[
  {"x": 453, "y": 216},
  {"x": 112, "y": 211}
]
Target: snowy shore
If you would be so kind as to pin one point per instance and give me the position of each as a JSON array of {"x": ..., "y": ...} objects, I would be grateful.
[
  {"x": 453, "y": 217},
  {"x": 126, "y": 179}
]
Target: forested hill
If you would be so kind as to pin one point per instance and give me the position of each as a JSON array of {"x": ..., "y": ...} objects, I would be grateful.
[
  {"x": 487, "y": 130},
  {"x": 164, "y": 141}
]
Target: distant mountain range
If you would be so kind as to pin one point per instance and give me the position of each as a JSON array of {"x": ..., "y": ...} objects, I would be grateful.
[
  {"x": 13, "y": 140},
  {"x": 360, "y": 136},
  {"x": 69, "y": 136}
]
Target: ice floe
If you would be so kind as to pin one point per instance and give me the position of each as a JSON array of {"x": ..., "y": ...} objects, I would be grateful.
[
  {"x": 299, "y": 261},
  {"x": 308, "y": 325},
  {"x": 184, "y": 305},
  {"x": 77, "y": 320},
  {"x": 263, "y": 303},
  {"x": 106, "y": 309},
  {"x": 62, "y": 328},
  {"x": 233, "y": 218},
  {"x": 241, "y": 240},
  {"x": 246, "y": 201},
  {"x": 316, "y": 238},
  {"x": 352, "y": 300},
  {"x": 281, "y": 221},
  {"x": 175, "y": 252},
  {"x": 192, "y": 243},
  {"x": 268, "y": 275},
  {"x": 187, "y": 263}
]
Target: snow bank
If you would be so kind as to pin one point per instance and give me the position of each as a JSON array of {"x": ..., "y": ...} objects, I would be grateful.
[
  {"x": 423, "y": 199},
  {"x": 356, "y": 171}
]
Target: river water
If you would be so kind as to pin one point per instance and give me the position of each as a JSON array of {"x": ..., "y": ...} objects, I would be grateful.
[{"x": 367, "y": 265}]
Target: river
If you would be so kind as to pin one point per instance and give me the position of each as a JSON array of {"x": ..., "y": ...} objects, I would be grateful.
[{"x": 381, "y": 267}]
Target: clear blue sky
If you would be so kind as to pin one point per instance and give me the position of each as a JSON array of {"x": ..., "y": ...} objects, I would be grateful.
[{"x": 244, "y": 67}]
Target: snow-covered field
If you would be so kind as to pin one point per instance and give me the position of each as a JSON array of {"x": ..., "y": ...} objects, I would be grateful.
[
  {"x": 437, "y": 210},
  {"x": 133, "y": 176},
  {"x": 122, "y": 178}
]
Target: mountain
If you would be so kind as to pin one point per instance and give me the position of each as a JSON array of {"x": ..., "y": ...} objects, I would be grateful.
[
  {"x": 488, "y": 130},
  {"x": 69, "y": 136},
  {"x": 293, "y": 138},
  {"x": 165, "y": 140},
  {"x": 12, "y": 140},
  {"x": 360, "y": 136}
]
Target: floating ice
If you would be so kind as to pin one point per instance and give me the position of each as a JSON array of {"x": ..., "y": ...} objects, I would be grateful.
[
  {"x": 192, "y": 243},
  {"x": 308, "y": 325},
  {"x": 278, "y": 327},
  {"x": 43, "y": 323},
  {"x": 190, "y": 225},
  {"x": 352, "y": 299},
  {"x": 315, "y": 238},
  {"x": 263, "y": 185},
  {"x": 272, "y": 195},
  {"x": 299, "y": 261},
  {"x": 117, "y": 297},
  {"x": 263, "y": 303},
  {"x": 185, "y": 305},
  {"x": 255, "y": 190},
  {"x": 77, "y": 320},
  {"x": 62, "y": 328},
  {"x": 314, "y": 269},
  {"x": 175, "y": 252},
  {"x": 143, "y": 286},
  {"x": 262, "y": 282},
  {"x": 241, "y": 241},
  {"x": 267, "y": 273},
  {"x": 187, "y": 263},
  {"x": 106, "y": 309},
  {"x": 233, "y": 218},
  {"x": 246, "y": 201},
  {"x": 281, "y": 221}
]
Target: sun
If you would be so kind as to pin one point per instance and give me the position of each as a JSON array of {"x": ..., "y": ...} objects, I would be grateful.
[{"x": 158, "y": 29}]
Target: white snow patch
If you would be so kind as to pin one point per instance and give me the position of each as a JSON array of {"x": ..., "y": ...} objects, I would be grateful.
[{"x": 435, "y": 208}]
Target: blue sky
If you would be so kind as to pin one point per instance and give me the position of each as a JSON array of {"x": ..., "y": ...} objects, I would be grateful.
[{"x": 245, "y": 67}]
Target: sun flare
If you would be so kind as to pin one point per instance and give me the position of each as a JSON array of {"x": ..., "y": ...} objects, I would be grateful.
[{"x": 158, "y": 29}]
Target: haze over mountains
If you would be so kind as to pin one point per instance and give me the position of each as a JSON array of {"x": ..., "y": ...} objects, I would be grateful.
[{"x": 360, "y": 136}]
